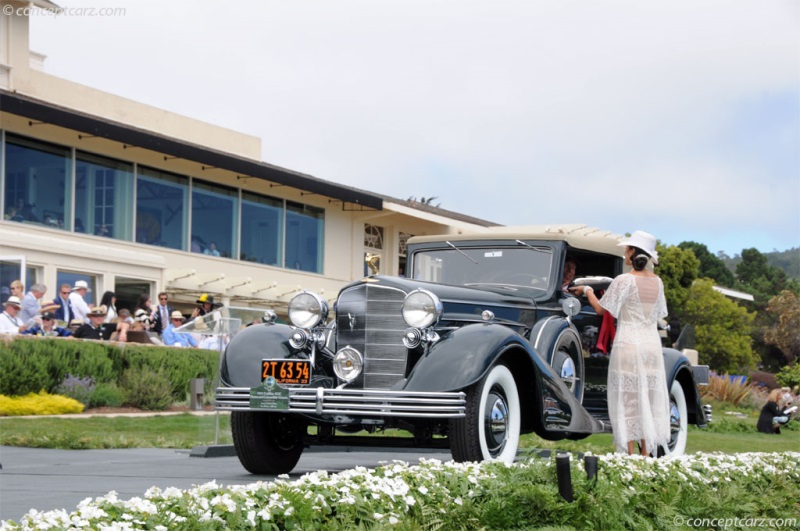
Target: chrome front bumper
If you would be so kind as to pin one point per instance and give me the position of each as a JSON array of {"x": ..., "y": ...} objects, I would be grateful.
[{"x": 353, "y": 402}]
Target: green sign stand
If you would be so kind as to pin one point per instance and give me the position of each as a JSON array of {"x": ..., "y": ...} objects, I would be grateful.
[{"x": 269, "y": 395}]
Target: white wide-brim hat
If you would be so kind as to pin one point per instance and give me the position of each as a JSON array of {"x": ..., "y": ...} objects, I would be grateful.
[
  {"x": 81, "y": 284},
  {"x": 13, "y": 301},
  {"x": 644, "y": 241}
]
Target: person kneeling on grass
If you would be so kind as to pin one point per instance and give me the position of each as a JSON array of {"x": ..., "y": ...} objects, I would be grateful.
[
  {"x": 174, "y": 339},
  {"x": 773, "y": 416}
]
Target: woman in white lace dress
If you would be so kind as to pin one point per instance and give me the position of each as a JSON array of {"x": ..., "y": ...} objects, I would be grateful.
[{"x": 638, "y": 399}]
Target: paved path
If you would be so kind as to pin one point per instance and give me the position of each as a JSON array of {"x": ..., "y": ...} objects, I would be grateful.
[{"x": 43, "y": 479}]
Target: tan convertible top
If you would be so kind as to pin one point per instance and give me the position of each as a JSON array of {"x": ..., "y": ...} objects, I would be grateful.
[{"x": 578, "y": 236}]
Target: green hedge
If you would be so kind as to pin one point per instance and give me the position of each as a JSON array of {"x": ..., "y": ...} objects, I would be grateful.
[{"x": 32, "y": 364}]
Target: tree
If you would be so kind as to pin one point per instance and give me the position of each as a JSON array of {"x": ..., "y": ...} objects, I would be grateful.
[
  {"x": 722, "y": 329},
  {"x": 710, "y": 266},
  {"x": 678, "y": 270},
  {"x": 763, "y": 281},
  {"x": 785, "y": 333}
]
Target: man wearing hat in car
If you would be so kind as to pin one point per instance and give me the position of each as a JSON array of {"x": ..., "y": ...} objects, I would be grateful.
[
  {"x": 49, "y": 327},
  {"x": 97, "y": 329},
  {"x": 9, "y": 322},
  {"x": 173, "y": 339}
]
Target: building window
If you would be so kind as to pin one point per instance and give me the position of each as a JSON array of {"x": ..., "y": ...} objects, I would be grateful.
[
  {"x": 214, "y": 219},
  {"x": 373, "y": 249},
  {"x": 304, "y": 237},
  {"x": 103, "y": 192},
  {"x": 161, "y": 211},
  {"x": 262, "y": 229},
  {"x": 38, "y": 182}
]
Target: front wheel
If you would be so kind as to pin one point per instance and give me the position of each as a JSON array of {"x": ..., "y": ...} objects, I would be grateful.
[
  {"x": 490, "y": 429},
  {"x": 267, "y": 443},
  {"x": 678, "y": 422}
]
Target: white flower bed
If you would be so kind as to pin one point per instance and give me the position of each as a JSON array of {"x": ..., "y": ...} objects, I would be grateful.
[{"x": 381, "y": 495}]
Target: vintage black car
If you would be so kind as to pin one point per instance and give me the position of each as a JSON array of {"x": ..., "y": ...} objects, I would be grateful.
[{"x": 478, "y": 345}]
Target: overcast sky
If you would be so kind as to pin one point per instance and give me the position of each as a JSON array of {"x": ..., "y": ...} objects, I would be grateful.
[{"x": 681, "y": 118}]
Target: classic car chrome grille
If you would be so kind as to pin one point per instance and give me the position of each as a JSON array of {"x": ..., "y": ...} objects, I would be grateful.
[
  {"x": 356, "y": 402},
  {"x": 369, "y": 319}
]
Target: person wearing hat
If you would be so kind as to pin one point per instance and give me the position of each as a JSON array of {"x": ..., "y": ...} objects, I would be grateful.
[
  {"x": 172, "y": 338},
  {"x": 96, "y": 328},
  {"x": 10, "y": 323},
  {"x": 49, "y": 327},
  {"x": 77, "y": 301},
  {"x": 638, "y": 398},
  {"x": 205, "y": 305}
]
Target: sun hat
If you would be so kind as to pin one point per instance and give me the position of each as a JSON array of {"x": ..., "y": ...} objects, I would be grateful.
[
  {"x": 97, "y": 311},
  {"x": 177, "y": 315},
  {"x": 14, "y": 301},
  {"x": 81, "y": 284},
  {"x": 644, "y": 241}
]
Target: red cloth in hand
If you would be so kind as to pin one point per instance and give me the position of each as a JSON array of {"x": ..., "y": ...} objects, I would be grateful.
[{"x": 606, "y": 336}]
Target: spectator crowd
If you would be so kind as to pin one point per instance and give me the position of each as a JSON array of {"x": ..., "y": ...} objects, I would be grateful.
[{"x": 69, "y": 315}]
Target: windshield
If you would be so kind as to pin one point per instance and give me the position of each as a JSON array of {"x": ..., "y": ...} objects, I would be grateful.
[{"x": 496, "y": 266}]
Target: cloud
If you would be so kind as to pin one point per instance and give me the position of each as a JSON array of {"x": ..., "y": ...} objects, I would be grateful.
[{"x": 681, "y": 115}]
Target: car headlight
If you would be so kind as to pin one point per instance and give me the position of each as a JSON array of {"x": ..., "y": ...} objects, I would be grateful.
[
  {"x": 421, "y": 308},
  {"x": 307, "y": 310},
  {"x": 348, "y": 364}
]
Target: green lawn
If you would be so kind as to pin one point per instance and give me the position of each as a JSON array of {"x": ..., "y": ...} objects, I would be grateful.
[{"x": 727, "y": 434}]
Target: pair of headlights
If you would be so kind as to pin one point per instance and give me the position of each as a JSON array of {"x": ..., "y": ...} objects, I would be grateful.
[
  {"x": 307, "y": 310},
  {"x": 421, "y": 309}
]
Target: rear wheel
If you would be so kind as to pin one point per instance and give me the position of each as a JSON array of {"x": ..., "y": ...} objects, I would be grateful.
[
  {"x": 678, "y": 422},
  {"x": 267, "y": 443},
  {"x": 490, "y": 430}
]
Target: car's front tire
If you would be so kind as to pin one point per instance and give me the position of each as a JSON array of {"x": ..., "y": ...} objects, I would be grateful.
[
  {"x": 490, "y": 430},
  {"x": 267, "y": 443}
]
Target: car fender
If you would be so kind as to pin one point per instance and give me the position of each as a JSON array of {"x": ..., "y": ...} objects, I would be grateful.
[
  {"x": 240, "y": 365},
  {"x": 546, "y": 334},
  {"x": 678, "y": 367},
  {"x": 463, "y": 356}
]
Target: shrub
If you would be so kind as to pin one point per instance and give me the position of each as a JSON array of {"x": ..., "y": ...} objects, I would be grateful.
[
  {"x": 40, "y": 403},
  {"x": 146, "y": 389},
  {"x": 80, "y": 389},
  {"x": 107, "y": 395},
  {"x": 177, "y": 365},
  {"x": 22, "y": 371},
  {"x": 29, "y": 364},
  {"x": 724, "y": 389},
  {"x": 789, "y": 376}
]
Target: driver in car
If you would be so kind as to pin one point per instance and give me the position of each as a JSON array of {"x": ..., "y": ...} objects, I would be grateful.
[{"x": 570, "y": 268}]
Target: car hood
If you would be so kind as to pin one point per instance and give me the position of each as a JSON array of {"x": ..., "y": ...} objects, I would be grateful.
[{"x": 463, "y": 303}]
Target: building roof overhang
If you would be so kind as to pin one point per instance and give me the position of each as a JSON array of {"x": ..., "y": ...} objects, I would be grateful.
[{"x": 41, "y": 111}]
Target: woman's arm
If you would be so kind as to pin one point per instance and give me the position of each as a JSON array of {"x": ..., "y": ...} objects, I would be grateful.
[{"x": 588, "y": 292}]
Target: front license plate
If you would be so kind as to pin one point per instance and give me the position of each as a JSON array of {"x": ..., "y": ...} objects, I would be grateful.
[{"x": 287, "y": 371}]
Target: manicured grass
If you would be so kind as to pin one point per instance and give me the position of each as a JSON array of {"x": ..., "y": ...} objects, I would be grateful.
[
  {"x": 727, "y": 434},
  {"x": 160, "y": 431}
]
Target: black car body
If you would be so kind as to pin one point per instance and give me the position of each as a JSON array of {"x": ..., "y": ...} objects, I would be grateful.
[{"x": 479, "y": 345}]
